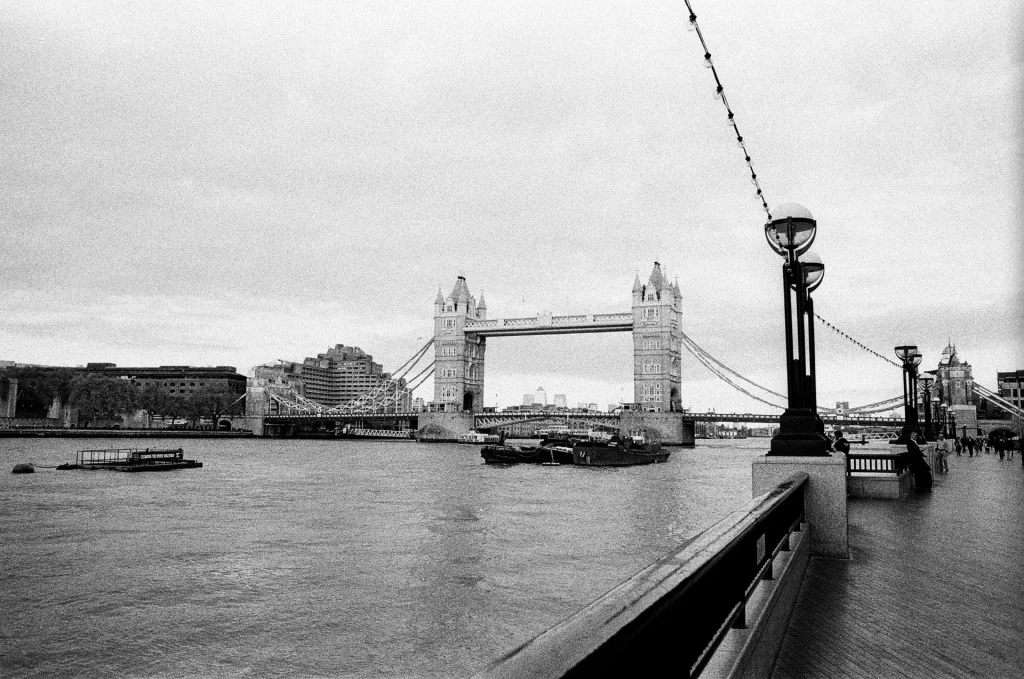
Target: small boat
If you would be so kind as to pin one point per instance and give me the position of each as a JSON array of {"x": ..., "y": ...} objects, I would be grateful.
[
  {"x": 558, "y": 452},
  {"x": 618, "y": 451},
  {"x": 132, "y": 460},
  {"x": 505, "y": 454},
  {"x": 478, "y": 438}
]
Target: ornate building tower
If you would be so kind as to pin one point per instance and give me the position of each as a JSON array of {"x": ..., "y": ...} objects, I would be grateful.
[
  {"x": 458, "y": 356},
  {"x": 956, "y": 389},
  {"x": 954, "y": 379},
  {"x": 657, "y": 342}
]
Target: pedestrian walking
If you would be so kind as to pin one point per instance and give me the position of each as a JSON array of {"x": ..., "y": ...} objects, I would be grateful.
[
  {"x": 942, "y": 447},
  {"x": 957, "y": 445},
  {"x": 1010, "y": 445},
  {"x": 999, "y": 448},
  {"x": 970, "y": 446}
]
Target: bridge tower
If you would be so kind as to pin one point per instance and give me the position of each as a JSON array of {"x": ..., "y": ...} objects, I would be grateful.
[
  {"x": 458, "y": 355},
  {"x": 657, "y": 342}
]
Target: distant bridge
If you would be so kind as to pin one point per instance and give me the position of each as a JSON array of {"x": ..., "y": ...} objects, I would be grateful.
[
  {"x": 834, "y": 420},
  {"x": 573, "y": 419}
]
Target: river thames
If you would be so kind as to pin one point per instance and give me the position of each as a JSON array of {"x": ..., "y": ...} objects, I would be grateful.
[{"x": 285, "y": 558}]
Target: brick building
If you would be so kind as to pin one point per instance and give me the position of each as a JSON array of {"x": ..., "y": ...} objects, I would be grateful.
[{"x": 337, "y": 376}]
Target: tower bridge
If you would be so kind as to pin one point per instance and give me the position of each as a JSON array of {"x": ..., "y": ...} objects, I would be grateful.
[{"x": 461, "y": 330}]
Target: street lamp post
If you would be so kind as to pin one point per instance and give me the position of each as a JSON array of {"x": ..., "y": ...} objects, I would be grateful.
[
  {"x": 910, "y": 357},
  {"x": 926, "y": 380},
  {"x": 790, "y": 234}
]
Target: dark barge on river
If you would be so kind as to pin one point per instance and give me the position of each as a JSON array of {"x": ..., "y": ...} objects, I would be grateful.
[{"x": 132, "y": 460}]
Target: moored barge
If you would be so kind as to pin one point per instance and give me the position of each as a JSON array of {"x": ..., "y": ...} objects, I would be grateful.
[
  {"x": 132, "y": 460},
  {"x": 618, "y": 451}
]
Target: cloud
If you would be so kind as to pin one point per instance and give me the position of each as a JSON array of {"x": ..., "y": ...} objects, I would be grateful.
[{"x": 206, "y": 183}]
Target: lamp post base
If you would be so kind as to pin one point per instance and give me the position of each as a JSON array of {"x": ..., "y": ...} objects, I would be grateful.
[{"x": 801, "y": 434}]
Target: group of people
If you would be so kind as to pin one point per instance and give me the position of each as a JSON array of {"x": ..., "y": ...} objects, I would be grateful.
[
  {"x": 945, "y": 447},
  {"x": 1004, "y": 447}
]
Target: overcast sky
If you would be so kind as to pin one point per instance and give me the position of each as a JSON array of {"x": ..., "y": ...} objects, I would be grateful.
[{"x": 214, "y": 183}]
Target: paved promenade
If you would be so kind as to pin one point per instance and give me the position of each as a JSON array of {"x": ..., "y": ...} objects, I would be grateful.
[{"x": 934, "y": 588}]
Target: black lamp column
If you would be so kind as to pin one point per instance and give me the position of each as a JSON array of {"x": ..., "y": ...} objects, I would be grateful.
[
  {"x": 790, "y": 234},
  {"x": 929, "y": 434},
  {"x": 911, "y": 359}
]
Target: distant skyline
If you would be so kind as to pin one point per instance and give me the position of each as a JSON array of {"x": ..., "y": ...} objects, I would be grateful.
[{"x": 209, "y": 183}]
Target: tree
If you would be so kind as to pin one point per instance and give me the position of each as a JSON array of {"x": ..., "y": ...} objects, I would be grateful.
[
  {"x": 153, "y": 400},
  {"x": 99, "y": 396},
  {"x": 37, "y": 387},
  {"x": 214, "y": 400}
]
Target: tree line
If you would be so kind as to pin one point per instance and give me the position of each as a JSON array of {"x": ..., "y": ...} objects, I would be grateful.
[{"x": 105, "y": 397}]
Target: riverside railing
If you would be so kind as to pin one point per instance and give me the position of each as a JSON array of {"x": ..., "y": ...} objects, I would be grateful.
[
  {"x": 881, "y": 463},
  {"x": 670, "y": 617}
]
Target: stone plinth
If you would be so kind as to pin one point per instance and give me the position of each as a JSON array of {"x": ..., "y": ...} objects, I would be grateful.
[
  {"x": 886, "y": 487},
  {"x": 824, "y": 498}
]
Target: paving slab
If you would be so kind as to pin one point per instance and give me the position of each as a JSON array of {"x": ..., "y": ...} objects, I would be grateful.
[{"x": 934, "y": 586}]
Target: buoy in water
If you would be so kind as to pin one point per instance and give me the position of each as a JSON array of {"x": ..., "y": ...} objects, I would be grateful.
[{"x": 23, "y": 469}]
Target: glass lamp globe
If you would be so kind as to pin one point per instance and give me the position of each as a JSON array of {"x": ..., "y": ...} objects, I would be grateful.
[
  {"x": 905, "y": 351},
  {"x": 792, "y": 227},
  {"x": 814, "y": 270},
  {"x": 916, "y": 358}
]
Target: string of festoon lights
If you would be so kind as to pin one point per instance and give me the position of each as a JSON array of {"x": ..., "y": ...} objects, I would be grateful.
[
  {"x": 859, "y": 344},
  {"x": 720, "y": 94}
]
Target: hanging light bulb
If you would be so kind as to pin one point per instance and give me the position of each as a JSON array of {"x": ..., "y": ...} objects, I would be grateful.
[
  {"x": 739, "y": 141},
  {"x": 718, "y": 92},
  {"x": 707, "y": 60},
  {"x": 692, "y": 25},
  {"x": 732, "y": 118}
]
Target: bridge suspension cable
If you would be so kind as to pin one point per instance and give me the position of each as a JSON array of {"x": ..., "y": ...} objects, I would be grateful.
[
  {"x": 719, "y": 370},
  {"x": 890, "y": 402},
  {"x": 700, "y": 349},
  {"x": 720, "y": 94},
  {"x": 411, "y": 363},
  {"x": 417, "y": 381},
  {"x": 869, "y": 408},
  {"x": 998, "y": 401}
]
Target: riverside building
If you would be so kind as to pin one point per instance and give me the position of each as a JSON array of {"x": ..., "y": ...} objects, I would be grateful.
[
  {"x": 174, "y": 380},
  {"x": 337, "y": 376}
]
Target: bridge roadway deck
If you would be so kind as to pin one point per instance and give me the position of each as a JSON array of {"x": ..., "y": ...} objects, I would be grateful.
[{"x": 934, "y": 588}]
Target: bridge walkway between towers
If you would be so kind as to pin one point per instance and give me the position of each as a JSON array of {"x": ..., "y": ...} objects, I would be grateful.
[{"x": 934, "y": 586}]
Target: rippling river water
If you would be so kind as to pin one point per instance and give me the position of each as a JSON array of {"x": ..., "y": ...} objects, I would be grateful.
[{"x": 325, "y": 558}]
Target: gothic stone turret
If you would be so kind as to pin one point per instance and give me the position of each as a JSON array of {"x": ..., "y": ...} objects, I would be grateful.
[
  {"x": 458, "y": 356},
  {"x": 657, "y": 342}
]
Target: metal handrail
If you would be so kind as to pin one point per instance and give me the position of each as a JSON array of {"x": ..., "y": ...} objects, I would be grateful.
[
  {"x": 877, "y": 463},
  {"x": 675, "y": 612}
]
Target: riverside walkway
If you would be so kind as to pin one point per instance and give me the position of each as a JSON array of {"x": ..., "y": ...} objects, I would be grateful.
[{"x": 934, "y": 586}]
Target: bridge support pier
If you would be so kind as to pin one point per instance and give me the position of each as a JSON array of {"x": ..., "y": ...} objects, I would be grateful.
[
  {"x": 824, "y": 501},
  {"x": 438, "y": 427},
  {"x": 670, "y": 428}
]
